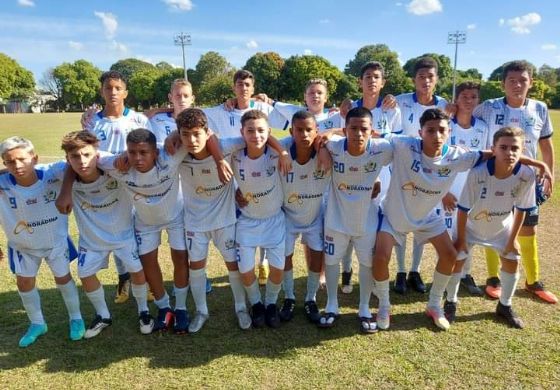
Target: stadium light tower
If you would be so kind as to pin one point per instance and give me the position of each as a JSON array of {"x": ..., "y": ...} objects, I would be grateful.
[
  {"x": 456, "y": 37},
  {"x": 183, "y": 40}
]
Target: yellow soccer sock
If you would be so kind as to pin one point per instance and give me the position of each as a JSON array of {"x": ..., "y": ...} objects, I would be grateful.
[
  {"x": 530, "y": 257},
  {"x": 492, "y": 263}
]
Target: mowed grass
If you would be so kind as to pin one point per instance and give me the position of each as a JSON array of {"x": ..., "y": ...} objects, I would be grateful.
[{"x": 478, "y": 351}]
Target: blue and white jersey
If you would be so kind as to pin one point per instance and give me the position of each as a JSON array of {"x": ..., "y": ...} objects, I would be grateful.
[
  {"x": 162, "y": 125},
  {"x": 112, "y": 132},
  {"x": 326, "y": 120},
  {"x": 489, "y": 200},
  {"x": 209, "y": 204},
  {"x": 304, "y": 187},
  {"x": 418, "y": 182},
  {"x": 227, "y": 124},
  {"x": 384, "y": 121},
  {"x": 411, "y": 111},
  {"x": 350, "y": 209},
  {"x": 28, "y": 215},
  {"x": 532, "y": 117}
]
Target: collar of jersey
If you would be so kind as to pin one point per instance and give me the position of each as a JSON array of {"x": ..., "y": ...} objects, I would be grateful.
[
  {"x": 125, "y": 113},
  {"x": 360, "y": 102},
  {"x": 346, "y": 144},
  {"x": 473, "y": 120},
  {"x": 265, "y": 150},
  {"x": 293, "y": 151},
  {"x": 415, "y": 99},
  {"x": 491, "y": 165},
  {"x": 39, "y": 173},
  {"x": 443, "y": 150},
  {"x": 504, "y": 99}
]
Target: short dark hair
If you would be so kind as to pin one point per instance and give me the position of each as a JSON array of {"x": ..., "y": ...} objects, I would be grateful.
[
  {"x": 303, "y": 115},
  {"x": 253, "y": 114},
  {"x": 112, "y": 75},
  {"x": 508, "y": 132},
  {"x": 243, "y": 74},
  {"x": 423, "y": 63},
  {"x": 516, "y": 66},
  {"x": 141, "y": 135},
  {"x": 466, "y": 85},
  {"x": 374, "y": 65},
  {"x": 359, "y": 112},
  {"x": 191, "y": 118},
  {"x": 431, "y": 114}
]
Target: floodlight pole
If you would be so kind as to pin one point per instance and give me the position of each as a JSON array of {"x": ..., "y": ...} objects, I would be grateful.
[
  {"x": 183, "y": 40},
  {"x": 456, "y": 37}
]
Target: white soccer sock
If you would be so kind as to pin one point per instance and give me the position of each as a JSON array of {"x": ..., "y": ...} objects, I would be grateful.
[
  {"x": 468, "y": 266},
  {"x": 438, "y": 287},
  {"x": 163, "y": 302},
  {"x": 331, "y": 274},
  {"x": 366, "y": 287},
  {"x": 238, "y": 290},
  {"x": 347, "y": 259},
  {"x": 453, "y": 287},
  {"x": 288, "y": 284},
  {"x": 509, "y": 282},
  {"x": 32, "y": 304},
  {"x": 140, "y": 293},
  {"x": 381, "y": 289},
  {"x": 253, "y": 293},
  {"x": 400, "y": 252},
  {"x": 271, "y": 293},
  {"x": 71, "y": 299},
  {"x": 97, "y": 299},
  {"x": 417, "y": 251},
  {"x": 180, "y": 297},
  {"x": 312, "y": 285},
  {"x": 197, "y": 279}
]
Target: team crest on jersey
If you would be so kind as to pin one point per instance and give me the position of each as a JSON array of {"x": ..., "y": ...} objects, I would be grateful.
[
  {"x": 303, "y": 177},
  {"x": 529, "y": 122},
  {"x": 443, "y": 172},
  {"x": 31, "y": 201},
  {"x": 111, "y": 185},
  {"x": 475, "y": 142},
  {"x": 370, "y": 166},
  {"x": 318, "y": 174},
  {"x": 50, "y": 196},
  {"x": 327, "y": 125},
  {"x": 270, "y": 170}
]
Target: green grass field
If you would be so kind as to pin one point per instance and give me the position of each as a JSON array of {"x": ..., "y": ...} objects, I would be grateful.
[{"x": 477, "y": 352}]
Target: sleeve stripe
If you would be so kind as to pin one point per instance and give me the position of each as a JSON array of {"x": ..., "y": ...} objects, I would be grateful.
[{"x": 463, "y": 208}]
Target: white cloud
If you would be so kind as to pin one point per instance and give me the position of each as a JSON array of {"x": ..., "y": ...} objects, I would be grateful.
[
  {"x": 324, "y": 21},
  {"x": 252, "y": 44},
  {"x": 424, "y": 7},
  {"x": 501, "y": 22},
  {"x": 548, "y": 46},
  {"x": 109, "y": 23},
  {"x": 522, "y": 24},
  {"x": 179, "y": 5},
  {"x": 471, "y": 26},
  {"x": 75, "y": 45},
  {"x": 120, "y": 47},
  {"x": 399, "y": 4},
  {"x": 308, "y": 52},
  {"x": 26, "y": 3}
]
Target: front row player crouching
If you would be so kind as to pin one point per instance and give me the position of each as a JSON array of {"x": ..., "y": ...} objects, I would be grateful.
[
  {"x": 104, "y": 217},
  {"x": 36, "y": 230},
  {"x": 485, "y": 216}
]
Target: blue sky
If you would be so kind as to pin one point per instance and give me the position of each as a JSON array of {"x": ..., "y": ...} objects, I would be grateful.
[{"x": 44, "y": 33}]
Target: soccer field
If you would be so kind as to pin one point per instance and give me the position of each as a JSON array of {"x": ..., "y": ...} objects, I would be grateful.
[{"x": 477, "y": 352}]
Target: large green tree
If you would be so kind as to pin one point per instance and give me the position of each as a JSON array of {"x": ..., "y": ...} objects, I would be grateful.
[
  {"x": 129, "y": 66},
  {"x": 266, "y": 67},
  {"x": 15, "y": 81},
  {"x": 142, "y": 86},
  {"x": 79, "y": 83},
  {"x": 209, "y": 66},
  {"x": 215, "y": 91}
]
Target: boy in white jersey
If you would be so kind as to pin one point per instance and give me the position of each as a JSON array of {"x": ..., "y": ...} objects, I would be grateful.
[
  {"x": 104, "y": 217},
  {"x": 352, "y": 215},
  {"x": 485, "y": 216},
  {"x": 153, "y": 185},
  {"x": 36, "y": 230},
  {"x": 516, "y": 110}
]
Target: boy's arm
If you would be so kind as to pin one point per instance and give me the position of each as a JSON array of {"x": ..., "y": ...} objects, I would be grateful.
[
  {"x": 547, "y": 152},
  {"x": 512, "y": 246},
  {"x": 284, "y": 159},
  {"x": 449, "y": 202},
  {"x": 225, "y": 173},
  {"x": 64, "y": 201},
  {"x": 545, "y": 175},
  {"x": 154, "y": 111}
]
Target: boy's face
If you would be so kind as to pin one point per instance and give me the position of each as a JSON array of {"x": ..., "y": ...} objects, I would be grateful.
[
  {"x": 255, "y": 132},
  {"x": 372, "y": 82},
  {"x": 425, "y": 80},
  {"x": 508, "y": 150},
  {"x": 358, "y": 132},
  {"x": 114, "y": 92},
  {"x": 20, "y": 162},
  {"x": 467, "y": 100},
  {"x": 194, "y": 139},
  {"x": 182, "y": 97},
  {"x": 244, "y": 88},
  {"x": 304, "y": 132},
  {"x": 434, "y": 135},
  {"x": 517, "y": 84},
  {"x": 83, "y": 161},
  {"x": 142, "y": 156},
  {"x": 315, "y": 96}
]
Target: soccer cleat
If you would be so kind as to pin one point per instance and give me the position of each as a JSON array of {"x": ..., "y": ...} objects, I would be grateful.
[
  {"x": 198, "y": 322},
  {"x": 264, "y": 270},
  {"x": 123, "y": 291},
  {"x": 493, "y": 288},
  {"x": 181, "y": 321},
  {"x": 437, "y": 316},
  {"x": 400, "y": 283},
  {"x": 287, "y": 310},
  {"x": 77, "y": 329},
  {"x": 469, "y": 284},
  {"x": 97, "y": 325},
  {"x": 415, "y": 281},
  {"x": 33, "y": 333},
  {"x": 146, "y": 322},
  {"x": 383, "y": 318},
  {"x": 243, "y": 319},
  {"x": 258, "y": 315},
  {"x": 538, "y": 290},
  {"x": 312, "y": 311},
  {"x": 507, "y": 313},
  {"x": 208, "y": 286},
  {"x": 450, "y": 310},
  {"x": 164, "y": 320},
  {"x": 271, "y": 316},
  {"x": 347, "y": 287}
]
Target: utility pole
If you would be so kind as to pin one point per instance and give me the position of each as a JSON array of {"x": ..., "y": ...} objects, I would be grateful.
[
  {"x": 456, "y": 37},
  {"x": 183, "y": 40}
]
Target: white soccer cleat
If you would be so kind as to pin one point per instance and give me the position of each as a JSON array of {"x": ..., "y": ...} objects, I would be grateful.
[
  {"x": 438, "y": 317},
  {"x": 383, "y": 318}
]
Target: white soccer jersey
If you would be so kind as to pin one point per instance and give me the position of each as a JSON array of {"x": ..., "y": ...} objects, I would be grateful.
[
  {"x": 155, "y": 194},
  {"x": 162, "y": 125},
  {"x": 304, "y": 187},
  {"x": 209, "y": 204},
  {"x": 112, "y": 132},
  {"x": 259, "y": 181},
  {"x": 350, "y": 209},
  {"x": 418, "y": 182},
  {"x": 28, "y": 215},
  {"x": 326, "y": 120},
  {"x": 411, "y": 111},
  {"x": 489, "y": 200},
  {"x": 532, "y": 117},
  {"x": 384, "y": 121},
  {"x": 227, "y": 124}
]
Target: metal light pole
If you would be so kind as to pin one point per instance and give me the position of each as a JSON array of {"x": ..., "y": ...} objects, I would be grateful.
[
  {"x": 183, "y": 40},
  {"x": 456, "y": 37}
]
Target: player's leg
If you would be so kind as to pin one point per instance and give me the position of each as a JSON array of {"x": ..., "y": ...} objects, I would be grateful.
[
  {"x": 364, "y": 251},
  {"x": 197, "y": 247},
  {"x": 400, "y": 286},
  {"x": 264, "y": 268},
  {"x": 276, "y": 261},
  {"x": 346, "y": 286},
  {"x": 287, "y": 309},
  {"x": 315, "y": 261},
  {"x": 384, "y": 244},
  {"x": 509, "y": 276},
  {"x": 467, "y": 279},
  {"x": 452, "y": 289},
  {"x": 123, "y": 287},
  {"x": 179, "y": 256},
  {"x": 493, "y": 287},
  {"x": 414, "y": 280},
  {"x": 246, "y": 263}
]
